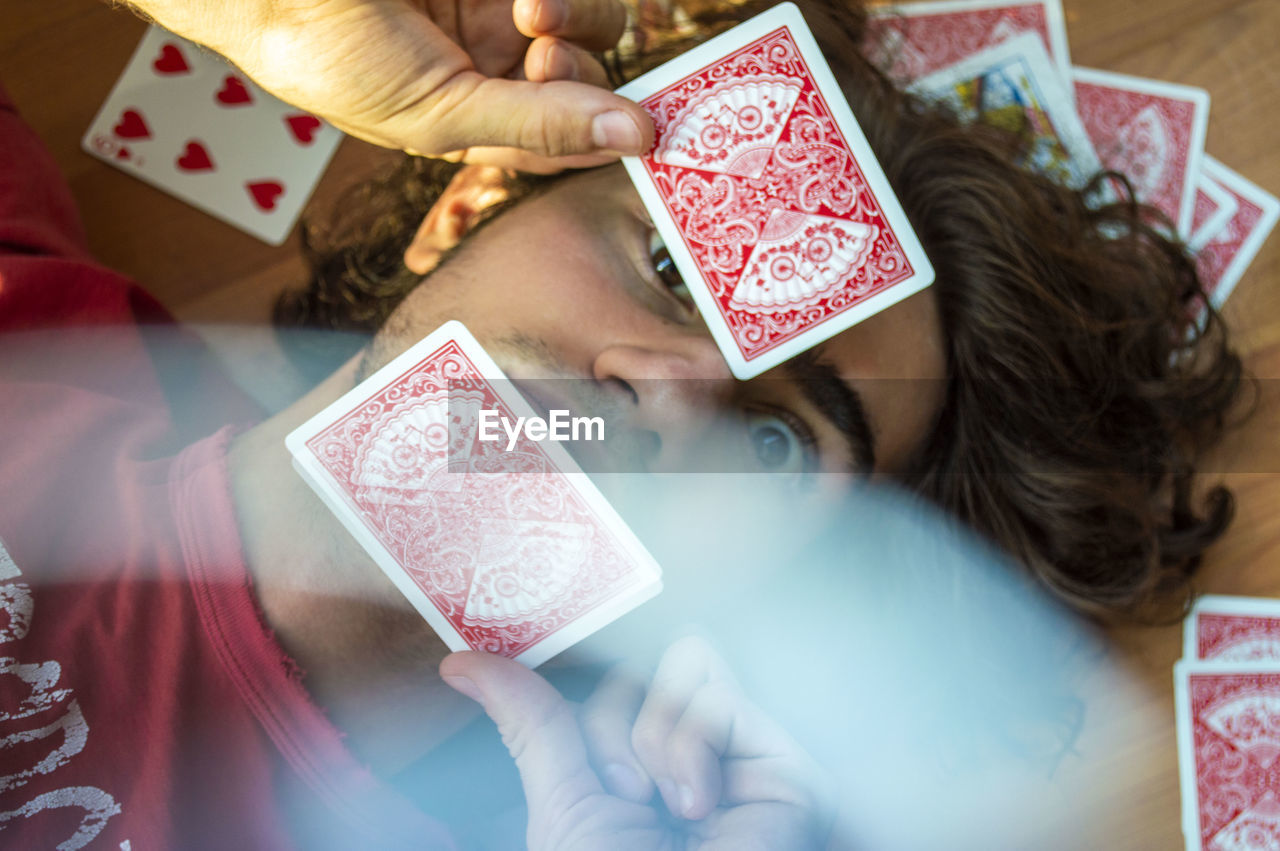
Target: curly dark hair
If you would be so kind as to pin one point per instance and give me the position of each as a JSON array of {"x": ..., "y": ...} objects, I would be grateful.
[{"x": 1087, "y": 375}]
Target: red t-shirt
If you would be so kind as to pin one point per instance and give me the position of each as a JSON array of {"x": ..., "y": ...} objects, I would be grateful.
[{"x": 143, "y": 703}]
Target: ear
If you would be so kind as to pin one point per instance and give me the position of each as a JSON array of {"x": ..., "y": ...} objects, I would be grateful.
[{"x": 472, "y": 191}]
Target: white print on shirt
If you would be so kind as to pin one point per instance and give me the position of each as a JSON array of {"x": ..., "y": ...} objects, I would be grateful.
[
  {"x": 75, "y": 732},
  {"x": 16, "y": 601},
  {"x": 8, "y": 570},
  {"x": 38, "y": 682},
  {"x": 98, "y": 806},
  {"x": 41, "y": 679}
]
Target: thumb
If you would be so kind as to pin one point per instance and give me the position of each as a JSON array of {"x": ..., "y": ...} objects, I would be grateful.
[
  {"x": 538, "y": 726},
  {"x": 551, "y": 119}
]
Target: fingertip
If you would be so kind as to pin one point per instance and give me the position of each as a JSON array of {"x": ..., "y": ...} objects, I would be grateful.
[
  {"x": 688, "y": 801},
  {"x": 627, "y": 782},
  {"x": 538, "y": 17},
  {"x": 694, "y": 806},
  {"x": 522, "y": 13},
  {"x": 478, "y": 675},
  {"x": 644, "y": 121},
  {"x": 457, "y": 664},
  {"x": 684, "y": 801},
  {"x": 559, "y": 63},
  {"x": 618, "y": 130},
  {"x": 697, "y": 782}
]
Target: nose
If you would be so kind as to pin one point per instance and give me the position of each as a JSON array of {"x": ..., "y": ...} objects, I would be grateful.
[{"x": 676, "y": 389}]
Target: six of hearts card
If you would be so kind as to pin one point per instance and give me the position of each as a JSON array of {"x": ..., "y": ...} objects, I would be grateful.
[{"x": 189, "y": 123}]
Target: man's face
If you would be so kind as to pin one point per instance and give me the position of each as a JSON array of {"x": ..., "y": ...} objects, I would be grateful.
[{"x": 564, "y": 286}]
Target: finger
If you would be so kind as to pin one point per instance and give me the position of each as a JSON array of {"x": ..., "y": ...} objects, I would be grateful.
[
  {"x": 761, "y": 827},
  {"x": 515, "y": 158},
  {"x": 761, "y": 762},
  {"x": 537, "y": 726},
  {"x": 590, "y": 24},
  {"x": 606, "y": 719},
  {"x": 697, "y": 743},
  {"x": 552, "y": 59},
  {"x": 552, "y": 119},
  {"x": 686, "y": 666},
  {"x": 792, "y": 779}
]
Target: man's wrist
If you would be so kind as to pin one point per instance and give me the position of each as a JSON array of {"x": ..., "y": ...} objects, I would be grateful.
[{"x": 225, "y": 26}]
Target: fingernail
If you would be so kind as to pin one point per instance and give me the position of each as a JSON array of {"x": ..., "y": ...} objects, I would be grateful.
[
  {"x": 615, "y": 131},
  {"x": 685, "y": 796},
  {"x": 465, "y": 686},
  {"x": 667, "y": 790},
  {"x": 548, "y": 15},
  {"x": 624, "y": 780},
  {"x": 558, "y": 64}
]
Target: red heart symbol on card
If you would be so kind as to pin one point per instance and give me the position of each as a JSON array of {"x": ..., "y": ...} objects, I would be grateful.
[
  {"x": 303, "y": 128},
  {"x": 132, "y": 126},
  {"x": 234, "y": 93},
  {"x": 171, "y": 61},
  {"x": 122, "y": 154},
  {"x": 195, "y": 158},
  {"x": 265, "y": 193}
]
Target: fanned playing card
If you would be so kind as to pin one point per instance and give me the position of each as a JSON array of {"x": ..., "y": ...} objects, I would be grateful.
[
  {"x": 1223, "y": 257},
  {"x": 1214, "y": 208},
  {"x": 508, "y": 550},
  {"x": 1015, "y": 84},
  {"x": 187, "y": 122},
  {"x": 1228, "y": 727},
  {"x": 1233, "y": 629},
  {"x": 911, "y": 40},
  {"x": 767, "y": 195},
  {"x": 1150, "y": 131}
]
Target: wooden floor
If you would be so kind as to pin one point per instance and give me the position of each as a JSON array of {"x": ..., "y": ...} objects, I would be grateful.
[{"x": 59, "y": 59}]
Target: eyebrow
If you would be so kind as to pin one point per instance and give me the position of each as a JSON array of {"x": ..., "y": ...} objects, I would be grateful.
[{"x": 838, "y": 402}]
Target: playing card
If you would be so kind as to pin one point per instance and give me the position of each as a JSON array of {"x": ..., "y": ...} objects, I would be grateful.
[
  {"x": 187, "y": 122},
  {"x": 910, "y": 41},
  {"x": 1228, "y": 729},
  {"x": 1233, "y": 629},
  {"x": 767, "y": 195},
  {"x": 1150, "y": 131},
  {"x": 1214, "y": 208},
  {"x": 508, "y": 550},
  {"x": 1224, "y": 256},
  {"x": 1015, "y": 84}
]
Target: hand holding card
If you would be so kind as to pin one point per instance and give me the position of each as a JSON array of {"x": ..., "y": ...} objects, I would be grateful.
[
  {"x": 506, "y": 548},
  {"x": 726, "y": 772},
  {"x": 402, "y": 75}
]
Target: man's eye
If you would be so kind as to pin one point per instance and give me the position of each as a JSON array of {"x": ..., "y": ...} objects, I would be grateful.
[
  {"x": 781, "y": 446},
  {"x": 665, "y": 267}
]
